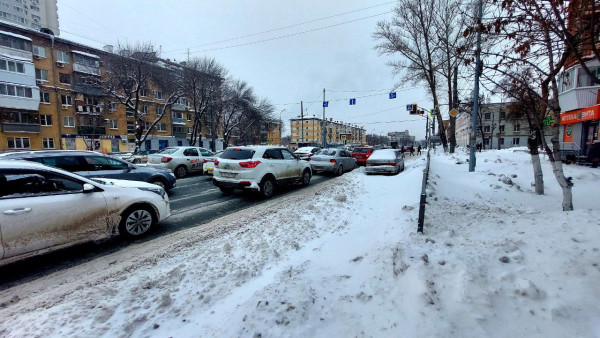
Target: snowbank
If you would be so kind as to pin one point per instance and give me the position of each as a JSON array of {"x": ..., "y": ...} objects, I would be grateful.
[{"x": 343, "y": 259}]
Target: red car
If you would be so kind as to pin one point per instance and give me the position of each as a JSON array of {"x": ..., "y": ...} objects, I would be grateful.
[{"x": 361, "y": 154}]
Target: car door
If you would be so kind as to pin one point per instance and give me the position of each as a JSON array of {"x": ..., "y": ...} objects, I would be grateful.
[
  {"x": 41, "y": 209},
  {"x": 108, "y": 167},
  {"x": 193, "y": 158},
  {"x": 274, "y": 160},
  {"x": 292, "y": 164}
]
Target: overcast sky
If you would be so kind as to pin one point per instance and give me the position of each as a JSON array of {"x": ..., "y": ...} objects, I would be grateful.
[{"x": 310, "y": 45}]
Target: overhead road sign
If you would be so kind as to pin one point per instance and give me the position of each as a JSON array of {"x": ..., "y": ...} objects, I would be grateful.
[
  {"x": 352, "y": 102},
  {"x": 392, "y": 96}
]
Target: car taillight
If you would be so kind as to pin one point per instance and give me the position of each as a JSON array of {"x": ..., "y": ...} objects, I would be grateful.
[
  {"x": 332, "y": 161},
  {"x": 249, "y": 164},
  {"x": 392, "y": 164},
  {"x": 166, "y": 159},
  {"x": 309, "y": 155},
  {"x": 216, "y": 162},
  {"x": 205, "y": 160}
]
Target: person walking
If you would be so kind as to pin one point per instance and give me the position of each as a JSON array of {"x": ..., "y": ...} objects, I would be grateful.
[
  {"x": 419, "y": 150},
  {"x": 412, "y": 150}
]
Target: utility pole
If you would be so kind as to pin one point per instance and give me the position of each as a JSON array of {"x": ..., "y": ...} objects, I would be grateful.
[
  {"x": 302, "y": 117},
  {"x": 472, "y": 159},
  {"x": 454, "y": 106},
  {"x": 324, "y": 121}
]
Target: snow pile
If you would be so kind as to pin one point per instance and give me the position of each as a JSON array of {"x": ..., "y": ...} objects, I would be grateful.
[{"x": 343, "y": 258}]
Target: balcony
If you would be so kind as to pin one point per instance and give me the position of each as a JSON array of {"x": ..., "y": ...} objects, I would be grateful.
[
  {"x": 177, "y": 121},
  {"x": 89, "y": 109},
  {"x": 181, "y": 135},
  {"x": 87, "y": 89},
  {"x": 577, "y": 98},
  {"x": 8, "y": 127},
  {"x": 90, "y": 130},
  {"x": 80, "y": 68}
]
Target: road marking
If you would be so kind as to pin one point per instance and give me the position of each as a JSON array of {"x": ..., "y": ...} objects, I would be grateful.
[{"x": 205, "y": 192}]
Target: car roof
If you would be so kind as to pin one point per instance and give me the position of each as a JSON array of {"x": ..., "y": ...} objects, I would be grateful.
[
  {"x": 42, "y": 153},
  {"x": 22, "y": 164},
  {"x": 261, "y": 147}
]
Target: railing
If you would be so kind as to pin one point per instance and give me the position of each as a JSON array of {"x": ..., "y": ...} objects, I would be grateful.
[
  {"x": 9, "y": 127},
  {"x": 570, "y": 151}
]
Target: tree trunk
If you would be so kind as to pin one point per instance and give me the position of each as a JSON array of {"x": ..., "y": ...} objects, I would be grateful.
[{"x": 532, "y": 143}]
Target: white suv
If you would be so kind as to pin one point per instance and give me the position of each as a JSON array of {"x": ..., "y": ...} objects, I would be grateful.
[{"x": 259, "y": 168}]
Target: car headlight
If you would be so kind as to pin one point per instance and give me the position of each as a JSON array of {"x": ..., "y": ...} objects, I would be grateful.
[{"x": 158, "y": 190}]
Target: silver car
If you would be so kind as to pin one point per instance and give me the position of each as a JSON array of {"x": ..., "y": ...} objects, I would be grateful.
[
  {"x": 180, "y": 160},
  {"x": 385, "y": 161},
  {"x": 332, "y": 160}
]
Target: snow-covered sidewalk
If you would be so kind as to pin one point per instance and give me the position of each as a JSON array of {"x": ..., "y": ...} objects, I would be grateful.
[{"x": 343, "y": 259}]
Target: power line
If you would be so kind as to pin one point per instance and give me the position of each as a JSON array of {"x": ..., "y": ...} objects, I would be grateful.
[
  {"x": 288, "y": 35},
  {"x": 90, "y": 18},
  {"x": 280, "y": 28}
]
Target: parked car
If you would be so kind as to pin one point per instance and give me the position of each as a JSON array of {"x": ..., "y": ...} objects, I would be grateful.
[
  {"x": 361, "y": 154},
  {"x": 136, "y": 158},
  {"x": 44, "y": 208},
  {"x": 91, "y": 164},
  {"x": 306, "y": 152},
  {"x": 385, "y": 161},
  {"x": 259, "y": 168},
  {"x": 180, "y": 160},
  {"x": 332, "y": 160},
  {"x": 209, "y": 162}
]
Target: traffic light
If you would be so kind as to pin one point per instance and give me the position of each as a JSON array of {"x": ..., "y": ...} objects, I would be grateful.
[{"x": 414, "y": 109}]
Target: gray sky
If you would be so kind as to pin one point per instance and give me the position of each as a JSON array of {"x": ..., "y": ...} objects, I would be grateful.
[{"x": 311, "y": 45}]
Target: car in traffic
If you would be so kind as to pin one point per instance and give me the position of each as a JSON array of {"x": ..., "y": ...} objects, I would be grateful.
[
  {"x": 361, "y": 154},
  {"x": 180, "y": 160},
  {"x": 209, "y": 162},
  {"x": 305, "y": 153},
  {"x": 259, "y": 168},
  {"x": 332, "y": 160},
  {"x": 137, "y": 157},
  {"x": 385, "y": 161},
  {"x": 92, "y": 164},
  {"x": 43, "y": 208}
]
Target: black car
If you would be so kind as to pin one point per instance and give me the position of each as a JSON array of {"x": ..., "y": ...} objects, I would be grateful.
[{"x": 92, "y": 164}]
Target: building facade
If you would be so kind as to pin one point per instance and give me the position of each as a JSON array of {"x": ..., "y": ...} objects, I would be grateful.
[
  {"x": 401, "y": 138},
  {"x": 309, "y": 130},
  {"x": 51, "y": 97},
  {"x": 34, "y": 14}
]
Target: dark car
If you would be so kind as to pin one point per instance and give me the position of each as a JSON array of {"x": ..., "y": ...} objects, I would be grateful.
[{"x": 91, "y": 164}]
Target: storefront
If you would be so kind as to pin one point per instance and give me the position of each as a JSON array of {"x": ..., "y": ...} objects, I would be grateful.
[{"x": 579, "y": 128}]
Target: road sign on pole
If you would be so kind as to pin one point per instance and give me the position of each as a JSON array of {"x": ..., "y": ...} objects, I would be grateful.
[
  {"x": 352, "y": 102},
  {"x": 453, "y": 112},
  {"x": 392, "y": 96},
  {"x": 325, "y": 104}
]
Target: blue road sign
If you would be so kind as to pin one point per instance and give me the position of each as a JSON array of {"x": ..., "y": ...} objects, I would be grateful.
[
  {"x": 409, "y": 107},
  {"x": 325, "y": 103},
  {"x": 352, "y": 102},
  {"x": 392, "y": 96}
]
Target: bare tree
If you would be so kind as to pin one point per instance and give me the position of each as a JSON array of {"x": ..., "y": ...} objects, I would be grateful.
[
  {"x": 131, "y": 73},
  {"x": 202, "y": 81},
  {"x": 238, "y": 97}
]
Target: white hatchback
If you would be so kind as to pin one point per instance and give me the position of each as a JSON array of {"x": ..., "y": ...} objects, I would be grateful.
[
  {"x": 44, "y": 208},
  {"x": 180, "y": 160}
]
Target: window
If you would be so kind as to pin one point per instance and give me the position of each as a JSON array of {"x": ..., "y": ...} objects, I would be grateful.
[
  {"x": 503, "y": 115},
  {"x": 62, "y": 56},
  {"x": 273, "y": 154},
  {"x": 502, "y": 141},
  {"x": 48, "y": 143},
  {"x": 178, "y": 130},
  {"x": 12, "y": 66},
  {"x": 112, "y": 106},
  {"x": 66, "y": 100},
  {"x": 46, "y": 120},
  {"x": 64, "y": 78},
  {"x": 129, "y": 112},
  {"x": 15, "y": 90},
  {"x": 18, "y": 143},
  {"x": 502, "y": 128},
  {"x": 145, "y": 109},
  {"x": 161, "y": 126},
  {"x": 41, "y": 74},
  {"x": 146, "y": 125},
  {"x": 113, "y": 124},
  {"x": 97, "y": 163},
  {"x": 15, "y": 42},
  {"x": 190, "y": 152},
  {"x": 158, "y": 95},
  {"x": 37, "y": 9},
  {"x": 36, "y": 17},
  {"x": 178, "y": 115},
  {"x": 143, "y": 92},
  {"x": 44, "y": 97},
  {"x": 189, "y": 117},
  {"x": 69, "y": 121},
  {"x": 190, "y": 130},
  {"x": 130, "y": 127},
  {"x": 517, "y": 127},
  {"x": 486, "y": 129},
  {"x": 515, "y": 141},
  {"x": 287, "y": 155}
]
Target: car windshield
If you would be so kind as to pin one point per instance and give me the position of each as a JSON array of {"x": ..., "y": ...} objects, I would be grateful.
[
  {"x": 237, "y": 154},
  {"x": 360, "y": 150},
  {"x": 167, "y": 151},
  {"x": 327, "y": 152}
]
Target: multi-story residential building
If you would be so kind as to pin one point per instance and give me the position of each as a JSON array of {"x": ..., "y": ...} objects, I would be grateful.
[
  {"x": 308, "y": 130},
  {"x": 34, "y": 14},
  {"x": 51, "y": 98},
  {"x": 401, "y": 138}
]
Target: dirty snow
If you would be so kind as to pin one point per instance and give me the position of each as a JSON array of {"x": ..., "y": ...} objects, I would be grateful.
[{"x": 343, "y": 258}]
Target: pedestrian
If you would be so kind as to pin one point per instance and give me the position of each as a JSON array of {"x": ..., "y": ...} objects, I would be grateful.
[
  {"x": 419, "y": 150},
  {"x": 402, "y": 149},
  {"x": 412, "y": 151}
]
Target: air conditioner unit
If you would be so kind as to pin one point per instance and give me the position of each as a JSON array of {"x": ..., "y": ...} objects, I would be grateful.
[
  {"x": 39, "y": 82},
  {"x": 60, "y": 64}
]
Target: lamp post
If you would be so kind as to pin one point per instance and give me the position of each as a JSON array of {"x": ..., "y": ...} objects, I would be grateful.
[{"x": 280, "y": 136}]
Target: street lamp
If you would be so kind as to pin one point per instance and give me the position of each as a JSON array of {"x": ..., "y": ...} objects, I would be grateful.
[{"x": 280, "y": 122}]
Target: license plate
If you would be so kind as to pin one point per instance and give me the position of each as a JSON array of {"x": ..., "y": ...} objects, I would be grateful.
[{"x": 228, "y": 175}]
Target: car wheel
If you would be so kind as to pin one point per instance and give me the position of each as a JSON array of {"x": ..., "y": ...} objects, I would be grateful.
[
  {"x": 267, "y": 187},
  {"x": 160, "y": 183},
  {"x": 305, "y": 177},
  {"x": 136, "y": 221},
  {"x": 226, "y": 191},
  {"x": 402, "y": 167},
  {"x": 340, "y": 171},
  {"x": 181, "y": 171}
]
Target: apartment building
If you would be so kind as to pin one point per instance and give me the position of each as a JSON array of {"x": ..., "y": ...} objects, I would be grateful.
[
  {"x": 34, "y": 14},
  {"x": 51, "y": 97},
  {"x": 309, "y": 130}
]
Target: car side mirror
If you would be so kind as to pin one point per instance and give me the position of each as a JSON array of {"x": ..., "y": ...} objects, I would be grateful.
[{"x": 87, "y": 188}]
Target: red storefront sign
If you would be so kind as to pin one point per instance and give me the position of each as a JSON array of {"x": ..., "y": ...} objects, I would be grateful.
[{"x": 580, "y": 115}]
